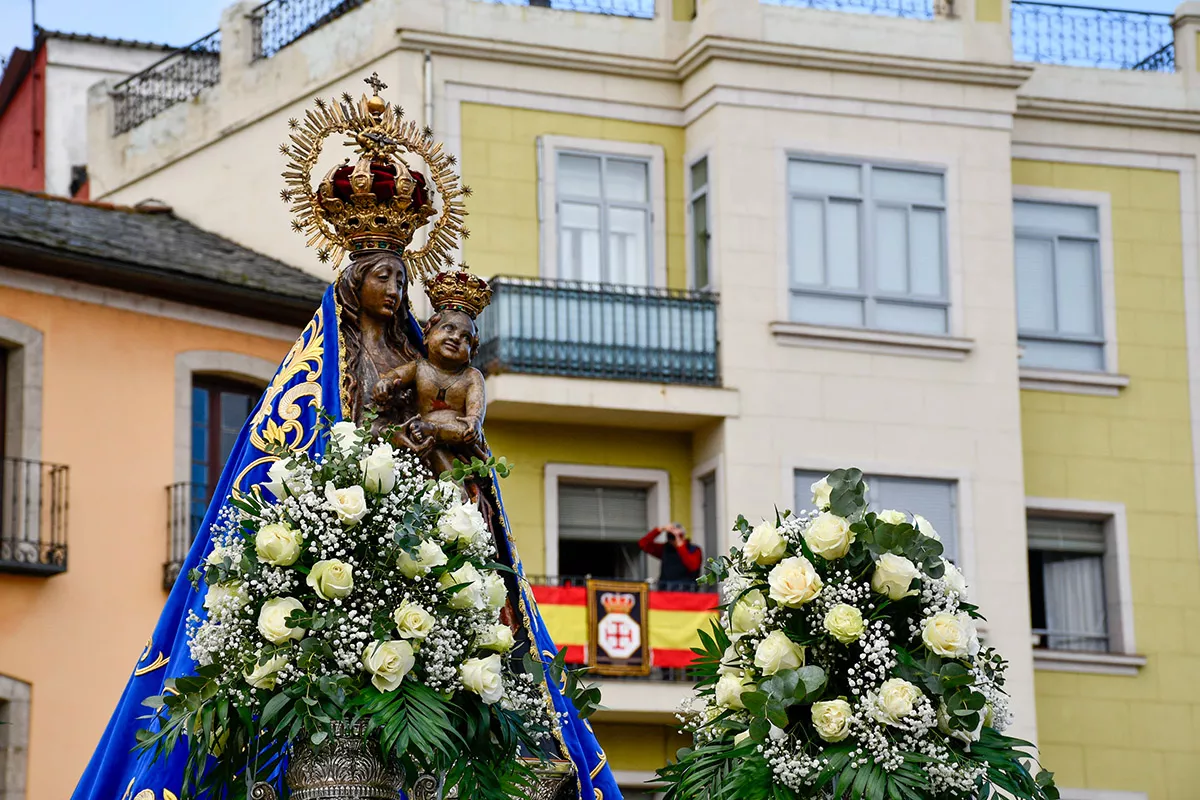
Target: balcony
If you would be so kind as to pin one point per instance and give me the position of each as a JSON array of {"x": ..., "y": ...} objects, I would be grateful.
[
  {"x": 186, "y": 504},
  {"x": 913, "y": 9},
  {"x": 1083, "y": 36},
  {"x": 640, "y": 9},
  {"x": 33, "y": 517}
]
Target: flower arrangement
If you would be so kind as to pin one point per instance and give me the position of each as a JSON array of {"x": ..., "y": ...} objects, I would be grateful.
[
  {"x": 847, "y": 665},
  {"x": 347, "y": 588}
]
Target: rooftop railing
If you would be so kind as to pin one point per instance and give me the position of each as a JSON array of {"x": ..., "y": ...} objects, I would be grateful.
[
  {"x": 641, "y": 9},
  {"x": 1083, "y": 36},
  {"x": 33, "y": 517},
  {"x": 596, "y": 330},
  {"x": 278, "y": 23},
  {"x": 914, "y": 9},
  {"x": 177, "y": 78}
]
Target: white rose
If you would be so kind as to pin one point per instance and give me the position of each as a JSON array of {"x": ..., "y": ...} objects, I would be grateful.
[
  {"x": 412, "y": 621},
  {"x": 956, "y": 584},
  {"x": 844, "y": 623},
  {"x": 966, "y": 737},
  {"x": 282, "y": 480},
  {"x": 388, "y": 662},
  {"x": 278, "y": 544},
  {"x": 831, "y": 719},
  {"x": 331, "y": 578},
  {"x": 950, "y": 635},
  {"x": 821, "y": 491},
  {"x": 829, "y": 536},
  {"x": 747, "y": 613},
  {"x": 345, "y": 436},
  {"x": 892, "y": 517},
  {"x": 461, "y": 523},
  {"x": 729, "y": 691},
  {"x": 471, "y": 595},
  {"x": 429, "y": 555},
  {"x": 896, "y": 700},
  {"x": 225, "y": 598},
  {"x": 765, "y": 545},
  {"x": 349, "y": 503},
  {"x": 263, "y": 676},
  {"x": 794, "y": 582},
  {"x": 272, "y": 620},
  {"x": 482, "y": 676},
  {"x": 777, "y": 652},
  {"x": 923, "y": 525},
  {"x": 731, "y": 661},
  {"x": 494, "y": 592},
  {"x": 379, "y": 469},
  {"x": 217, "y": 556},
  {"x": 741, "y": 737},
  {"x": 893, "y": 575},
  {"x": 496, "y": 637}
]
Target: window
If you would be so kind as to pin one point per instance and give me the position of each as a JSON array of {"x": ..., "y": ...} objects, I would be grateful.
[
  {"x": 867, "y": 246},
  {"x": 3, "y": 401},
  {"x": 219, "y": 410},
  {"x": 1067, "y": 584},
  {"x": 14, "y": 736},
  {"x": 936, "y": 500},
  {"x": 708, "y": 516},
  {"x": 1059, "y": 308},
  {"x": 701, "y": 235},
  {"x": 604, "y": 218},
  {"x": 599, "y": 527}
]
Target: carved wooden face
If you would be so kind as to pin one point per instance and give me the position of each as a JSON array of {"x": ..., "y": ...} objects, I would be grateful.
[
  {"x": 382, "y": 289},
  {"x": 451, "y": 339}
]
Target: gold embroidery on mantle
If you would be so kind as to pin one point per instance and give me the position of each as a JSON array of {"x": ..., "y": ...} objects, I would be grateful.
[
  {"x": 128, "y": 789},
  {"x": 600, "y": 766},
  {"x": 143, "y": 668}
]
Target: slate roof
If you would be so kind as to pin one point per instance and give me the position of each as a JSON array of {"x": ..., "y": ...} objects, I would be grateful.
[{"x": 146, "y": 243}]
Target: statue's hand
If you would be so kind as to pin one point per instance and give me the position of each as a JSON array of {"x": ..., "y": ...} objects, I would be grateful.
[
  {"x": 381, "y": 395},
  {"x": 471, "y": 435}
]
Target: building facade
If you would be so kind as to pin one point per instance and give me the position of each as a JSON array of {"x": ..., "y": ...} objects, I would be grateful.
[{"x": 739, "y": 243}]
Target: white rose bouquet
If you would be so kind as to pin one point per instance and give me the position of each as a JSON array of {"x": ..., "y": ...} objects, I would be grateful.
[
  {"x": 847, "y": 665},
  {"x": 353, "y": 586}
]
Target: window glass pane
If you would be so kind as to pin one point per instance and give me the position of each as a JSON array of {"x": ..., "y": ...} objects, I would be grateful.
[
  {"x": 627, "y": 242},
  {"x": 1073, "y": 585},
  {"x": 822, "y": 177},
  {"x": 578, "y": 176},
  {"x": 926, "y": 252},
  {"x": 909, "y": 318},
  {"x": 843, "y": 244},
  {"x": 891, "y": 250},
  {"x": 700, "y": 242},
  {"x": 579, "y": 241},
  {"x": 935, "y": 500},
  {"x": 625, "y": 181},
  {"x": 808, "y": 243},
  {"x": 1078, "y": 356},
  {"x": 909, "y": 187},
  {"x": 1056, "y": 217},
  {"x": 700, "y": 174},
  {"x": 818, "y": 310},
  {"x": 235, "y": 408},
  {"x": 1078, "y": 289},
  {"x": 1035, "y": 284},
  {"x": 708, "y": 508},
  {"x": 199, "y": 406}
]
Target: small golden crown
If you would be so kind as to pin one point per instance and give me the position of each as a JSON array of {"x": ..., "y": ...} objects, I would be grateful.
[
  {"x": 458, "y": 290},
  {"x": 615, "y": 603},
  {"x": 380, "y": 201}
]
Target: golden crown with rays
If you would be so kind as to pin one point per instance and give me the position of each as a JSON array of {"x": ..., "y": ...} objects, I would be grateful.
[
  {"x": 381, "y": 200},
  {"x": 458, "y": 290}
]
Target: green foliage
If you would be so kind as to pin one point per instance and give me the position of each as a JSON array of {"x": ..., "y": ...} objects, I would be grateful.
[{"x": 478, "y": 468}]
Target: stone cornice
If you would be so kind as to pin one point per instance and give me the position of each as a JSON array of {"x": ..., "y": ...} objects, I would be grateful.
[{"x": 1186, "y": 121}]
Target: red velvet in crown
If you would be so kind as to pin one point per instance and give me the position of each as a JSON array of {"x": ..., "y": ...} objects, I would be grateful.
[{"x": 383, "y": 183}]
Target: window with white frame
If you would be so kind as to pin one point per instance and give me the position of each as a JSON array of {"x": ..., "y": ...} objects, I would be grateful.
[
  {"x": 935, "y": 500},
  {"x": 698, "y": 212},
  {"x": 1060, "y": 321},
  {"x": 1068, "y": 587},
  {"x": 867, "y": 246},
  {"x": 599, "y": 527},
  {"x": 603, "y": 207}
]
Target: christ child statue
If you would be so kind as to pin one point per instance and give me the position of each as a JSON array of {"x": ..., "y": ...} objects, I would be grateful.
[{"x": 449, "y": 392}]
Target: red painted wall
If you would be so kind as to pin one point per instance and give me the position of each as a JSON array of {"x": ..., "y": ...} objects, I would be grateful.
[{"x": 22, "y": 131}]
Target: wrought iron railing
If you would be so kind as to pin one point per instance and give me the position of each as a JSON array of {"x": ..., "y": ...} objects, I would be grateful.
[
  {"x": 915, "y": 9},
  {"x": 33, "y": 517},
  {"x": 1082, "y": 36},
  {"x": 278, "y": 23},
  {"x": 641, "y": 9},
  {"x": 186, "y": 504},
  {"x": 571, "y": 328},
  {"x": 178, "y": 77}
]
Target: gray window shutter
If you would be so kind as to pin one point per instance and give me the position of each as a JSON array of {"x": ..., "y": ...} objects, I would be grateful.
[{"x": 602, "y": 513}]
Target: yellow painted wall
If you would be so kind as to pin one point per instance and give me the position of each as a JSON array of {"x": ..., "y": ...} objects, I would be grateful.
[
  {"x": 532, "y": 446},
  {"x": 499, "y": 163},
  {"x": 109, "y": 415},
  {"x": 639, "y": 747},
  {"x": 1130, "y": 733}
]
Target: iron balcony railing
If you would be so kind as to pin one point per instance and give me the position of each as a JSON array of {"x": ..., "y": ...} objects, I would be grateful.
[
  {"x": 33, "y": 517},
  {"x": 915, "y": 9},
  {"x": 178, "y": 77},
  {"x": 641, "y": 9},
  {"x": 278, "y": 23},
  {"x": 593, "y": 330},
  {"x": 1082, "y": 36},
  {"x": 186, "y": 504}
]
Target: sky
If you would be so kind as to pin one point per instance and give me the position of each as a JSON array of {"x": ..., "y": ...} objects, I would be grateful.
[{"x": 180, "y": 22}]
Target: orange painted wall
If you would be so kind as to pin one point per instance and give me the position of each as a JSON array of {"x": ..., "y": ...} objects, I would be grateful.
[{"x": 108, "y": 413}]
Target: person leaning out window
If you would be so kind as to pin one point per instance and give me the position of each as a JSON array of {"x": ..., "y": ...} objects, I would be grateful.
[{"x": 681, "y": 560}]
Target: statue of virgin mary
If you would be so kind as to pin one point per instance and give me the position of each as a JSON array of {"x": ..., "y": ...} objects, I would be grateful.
[{"x": 364, "y": 329}]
